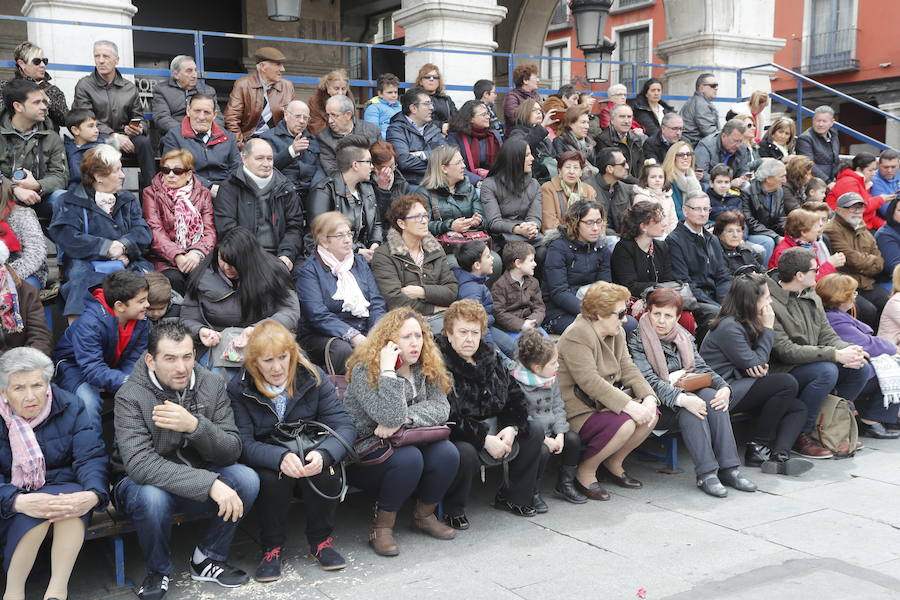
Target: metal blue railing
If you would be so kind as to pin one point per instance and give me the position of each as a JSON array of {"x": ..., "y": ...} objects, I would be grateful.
[{"x": 369, "y": 83}]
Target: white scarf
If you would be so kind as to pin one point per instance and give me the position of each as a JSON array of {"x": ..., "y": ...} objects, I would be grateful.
[
  {"x": 347, "y": 290},
  {"x": 261, "y": 182},
  {"x": 105, "y": 201},
  {"x": 687, "y": 182}
]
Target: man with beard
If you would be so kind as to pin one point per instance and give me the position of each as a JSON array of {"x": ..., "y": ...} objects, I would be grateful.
[{"x": 847, "y": 233}]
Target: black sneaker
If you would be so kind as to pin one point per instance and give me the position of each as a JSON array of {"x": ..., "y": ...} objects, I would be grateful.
[
  {"x": 460, "y": 522},
  {"x": 327, "y": 557},
  {"x": 154, "y": 587},
  {"x": 269, "y": 568},
  {"x": 218, "y": 572}
]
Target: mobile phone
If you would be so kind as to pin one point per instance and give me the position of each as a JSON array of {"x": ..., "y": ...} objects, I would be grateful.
[
  {"x": 135, "y": 122},
  {"x": 399, "y": 363}
]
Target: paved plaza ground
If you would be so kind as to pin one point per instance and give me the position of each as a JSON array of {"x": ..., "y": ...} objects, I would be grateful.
[{"x": 833, "y": 533}]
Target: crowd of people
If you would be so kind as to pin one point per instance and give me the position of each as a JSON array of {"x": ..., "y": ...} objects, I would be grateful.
[{"x": 435, "y": 289}]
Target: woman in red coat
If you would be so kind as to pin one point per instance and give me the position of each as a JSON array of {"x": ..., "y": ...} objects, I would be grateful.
[
  {"x": 179, "y": 211},
  {"x": 802, "y": 228},
  {"x": 858, "y": 178}
]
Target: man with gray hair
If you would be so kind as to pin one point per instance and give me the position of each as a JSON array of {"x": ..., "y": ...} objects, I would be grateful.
[
  {"x": 658, "y": 144},
  {"x": 821, "y": 144},
  {"x": 170, "y": 98},
  {"x": 763, "y": 205},
  {"x": 847, "y": 233},
  {"x": 341, "y": 114},
  {"x": 619, "y": 136},
  {"x": 296, "y": 149},
  {"x": 114, "y": 101},
  {"x": 701, "y": 117},
  {"x": 727, "y": 148}
]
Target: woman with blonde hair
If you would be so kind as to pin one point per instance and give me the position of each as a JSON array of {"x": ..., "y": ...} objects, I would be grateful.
[
  {"x": 31, "y": 64},
  {"x": 279, "y": 385},
  {"x": 778, "y": 141},
  {"x": 753, "y": 108},
  {"x": 431, "y": 80},
  {"x": 877, "y": 408},
  {"x": 335, "y": 83},
  {"x": 679, "y": 166},
  {"x": 398, "y": 381},
  {"x": 749, "y": 136}
]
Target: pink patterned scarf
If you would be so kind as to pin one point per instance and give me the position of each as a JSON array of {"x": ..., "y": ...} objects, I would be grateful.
[
  {"x": 188, "y": 222},
  {"x": 10, "y": 315},
  {"x": 28, "y": 468}
]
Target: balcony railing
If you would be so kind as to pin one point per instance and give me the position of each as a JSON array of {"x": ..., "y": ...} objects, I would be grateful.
[
  {"x": 560, "y": 13},
  {"x": 828, "y": 52}
]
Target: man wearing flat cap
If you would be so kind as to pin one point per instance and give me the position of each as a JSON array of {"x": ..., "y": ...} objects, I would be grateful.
[
  {"x": 847, "y": 233},
  {"x": 257, "y": 101}
]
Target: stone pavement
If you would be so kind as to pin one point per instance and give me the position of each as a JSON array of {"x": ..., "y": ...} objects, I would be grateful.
[{"x": 832, "y": 533}]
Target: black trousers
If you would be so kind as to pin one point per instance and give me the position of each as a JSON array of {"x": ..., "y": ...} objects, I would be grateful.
[
  {"x": 274, "y": 504},
  {"x": 340, "y": 351},
  {"x": 177, "y": 279},
  {"x": 869, "y": 305},
  {"x": 570, "y": 455},
  {"x": 143, "y": 152},
  {"x": 522, "y": 473},
  {"x": 781, "y": 415}
]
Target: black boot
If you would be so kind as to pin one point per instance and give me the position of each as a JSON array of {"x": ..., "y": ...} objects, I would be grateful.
[
  {"x": 781, "y": 463},
  {"x": 565, "y": 487},
  {"x": 755, "y": 454}
]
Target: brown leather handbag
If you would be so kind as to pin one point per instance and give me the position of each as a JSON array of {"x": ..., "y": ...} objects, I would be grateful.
[{"x": 691, "y": 382}]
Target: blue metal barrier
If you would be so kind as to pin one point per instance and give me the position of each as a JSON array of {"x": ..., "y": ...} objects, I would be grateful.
[{"x": 369, "y": 83}]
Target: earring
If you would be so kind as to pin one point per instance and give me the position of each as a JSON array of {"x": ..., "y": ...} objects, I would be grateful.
[{"x": 99, "y": 180}]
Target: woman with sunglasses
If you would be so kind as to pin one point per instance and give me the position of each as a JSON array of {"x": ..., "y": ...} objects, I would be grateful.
[
  {"x": 608, "y": 401},
  {"x": 430, "y": 80},
  {"x": 179, "y": 211},
  {"x": 31, "y": 64},
  {"x": 679, "y": 167}
]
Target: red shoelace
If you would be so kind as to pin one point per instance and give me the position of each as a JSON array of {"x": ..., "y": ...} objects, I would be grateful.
[
  {"x": 325, "y": 544},
  {"x": 273, "y": 554}
]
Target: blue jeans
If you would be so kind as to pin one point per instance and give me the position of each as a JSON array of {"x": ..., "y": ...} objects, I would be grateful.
[
  {"x": 767, "y": 243},
  {"x": 151, "y": 509},
  {"x": 817, "y": 380},
  {"x": 503, "y": 341},
  {"x": 93, "y": 403}
]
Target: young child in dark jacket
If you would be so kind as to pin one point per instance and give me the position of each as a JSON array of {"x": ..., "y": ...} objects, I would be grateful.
[
  {"x": 99, "y": 350},
  {"x": 518, "y": 304},
  {"x": 722, "y": 197},
  {"x": 535, "y": 372},
  {"x": 475, "y": 266},
  {"x": 82, "y": 124}
]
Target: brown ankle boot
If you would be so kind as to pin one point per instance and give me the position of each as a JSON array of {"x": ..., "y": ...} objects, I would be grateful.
[
  {"x": 381, "y": 534},
  {"x": 425, "y": 520}
]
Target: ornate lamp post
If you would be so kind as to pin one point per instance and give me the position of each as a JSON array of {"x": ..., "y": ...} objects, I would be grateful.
[
  {"x": 283, "y": 10},
  {"x": 590, "y": 23}
]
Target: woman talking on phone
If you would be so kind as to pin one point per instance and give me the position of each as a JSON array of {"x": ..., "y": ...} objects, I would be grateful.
[{"x": 398, "y": 381}]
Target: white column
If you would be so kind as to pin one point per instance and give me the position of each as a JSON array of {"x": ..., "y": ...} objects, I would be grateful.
[
  {"x": 723, "y": 33},
  {"x": 73, "y": 44},
  {"x": 892, "y": 127},
  {"x": 451, "y": 25}
]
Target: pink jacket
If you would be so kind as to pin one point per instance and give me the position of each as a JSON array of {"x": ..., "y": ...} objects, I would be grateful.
[{"x": 158, "y": 212}]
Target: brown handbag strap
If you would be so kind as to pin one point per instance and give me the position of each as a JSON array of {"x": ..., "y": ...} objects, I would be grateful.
[{"x": 435, "y": 209}]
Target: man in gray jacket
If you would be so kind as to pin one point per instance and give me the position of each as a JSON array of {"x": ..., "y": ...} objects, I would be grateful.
[
  {"x": 701, "y": 118},
  {"x": 727, "y": 148},
  {"x": 170, "y": 98},
  {"x": 342, "y": 122},
  {"x": 176, "y": 447}
]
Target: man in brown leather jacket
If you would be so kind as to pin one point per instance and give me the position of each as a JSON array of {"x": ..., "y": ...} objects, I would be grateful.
[
  {"x": 114, "y": 101},
  {"x": 257, "y": 101}
]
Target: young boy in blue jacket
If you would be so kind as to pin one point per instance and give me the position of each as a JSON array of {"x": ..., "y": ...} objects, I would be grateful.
[
  {"x": 98, "y": 351},
  {"x": 475, "y": 266}
]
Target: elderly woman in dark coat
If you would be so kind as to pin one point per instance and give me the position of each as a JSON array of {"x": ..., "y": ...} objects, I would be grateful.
[
  {"x": 53, "y": 467},
  {"x": 340, "y": 299}
]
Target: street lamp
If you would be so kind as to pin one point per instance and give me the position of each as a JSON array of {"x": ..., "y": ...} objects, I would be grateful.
[
  {"x": 590, "y": 25},
  {"x": 283, "y": 10}
]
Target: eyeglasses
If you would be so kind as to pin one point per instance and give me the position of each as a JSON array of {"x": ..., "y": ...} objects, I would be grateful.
[
  {"x": 431, "y": 76},
  {"x": 621, "y": 164},
  {"x": 683, "y": 154},
  {"x": 37, "y": 61},
  {"x": 620, "y": 315},
  {"x": 425, "y": 103},
  {"x": 456, "y": 163},
  {"x": 674, "y": 128},
  {"x": 365, "y": 160},
  {"x": 698, "y": 208},
  {"x": 340, "y": 236},
  {"x": 592, "y": 222},
  {"x": 813, "y": 270},
  {"x": 421, "y": 217},
  {"x": 712, "y": 85},
  {"x": 335, "y": 115},
  {"x": 176, "y": 170},
  {"x": 481, "y": 114}
]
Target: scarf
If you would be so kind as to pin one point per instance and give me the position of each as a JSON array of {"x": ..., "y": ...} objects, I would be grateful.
[
  {"x": 105, "y": 201},
  {"x": 279, "y": 398},
  {"x": 686, "y": 182},
  {"x": 653, "y": 347},
  {"x": 188, "y": 222},
  {"x": 347, "y": 290},
  {"x": 573, "y": 195},
  {"x": 472, "y": 147},
  {"x": 887, "y": 369},
  {"x": 29, "y": 471},
  {"x": 528, "y": 377},
  {"x": 9, "y": 237},
  {"x": 10, "y": 315},
  {"x": 261, "y": 182}
]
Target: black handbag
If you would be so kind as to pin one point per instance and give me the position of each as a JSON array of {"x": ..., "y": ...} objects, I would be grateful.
[
  {"x": 302, "y": 437},
  {"x": 689, "y": 301},
  {"x": 489, "y": 461}
]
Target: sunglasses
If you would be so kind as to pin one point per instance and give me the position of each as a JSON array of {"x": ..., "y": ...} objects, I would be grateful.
[
  {"x": 37, "y": 61},
  {"x": 431, "y": 76},
  {"x": 712, "y": 85},
  {"x": 621, "y": 314},
  {"x": 176, "y": 170},
  {"x": 683, "y": 154}
]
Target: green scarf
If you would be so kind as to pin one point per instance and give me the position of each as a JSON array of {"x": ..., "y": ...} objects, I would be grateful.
[{"x": 573, "y": 195}]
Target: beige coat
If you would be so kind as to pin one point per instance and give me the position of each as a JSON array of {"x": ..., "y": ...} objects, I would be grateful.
[
  {"x": 552, "y": 200},
  {"x": 597, "y": 366}
]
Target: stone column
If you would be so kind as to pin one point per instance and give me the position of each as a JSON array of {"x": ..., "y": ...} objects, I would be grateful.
[
  {"x": 724, "y": 33},
  {"x": 73, "y": 44},
  {"x": 451, "y": 25},
  {"x": 892, "y": 127}
]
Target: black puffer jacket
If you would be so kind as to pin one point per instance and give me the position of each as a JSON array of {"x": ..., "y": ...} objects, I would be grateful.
[{"x": 481, "y": 391}]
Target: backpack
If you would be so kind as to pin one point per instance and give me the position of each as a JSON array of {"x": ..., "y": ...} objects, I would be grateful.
[{"x": 836, "y": 427}]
